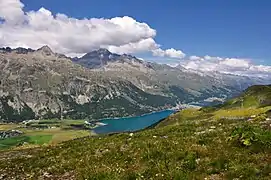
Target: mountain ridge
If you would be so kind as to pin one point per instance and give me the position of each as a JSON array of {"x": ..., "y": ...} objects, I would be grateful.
[{"x": 43, "y": 84}]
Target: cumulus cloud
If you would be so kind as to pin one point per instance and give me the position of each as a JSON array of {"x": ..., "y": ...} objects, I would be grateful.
[
  {"x": 193, "y": 58},
  {"x": 173, "y": 53},
  {"x": 235, "y": 66},
  {"x": 139, "y": 46},
  {"x": 11, "y": 11},
  {"x": 75, "y": 36},
  {"x": 210, "y": 58}
]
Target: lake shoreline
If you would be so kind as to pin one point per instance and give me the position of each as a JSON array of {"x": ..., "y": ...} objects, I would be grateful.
[
  {"x": 116, "y": 118},
  {"x": 135, "y": 131}
]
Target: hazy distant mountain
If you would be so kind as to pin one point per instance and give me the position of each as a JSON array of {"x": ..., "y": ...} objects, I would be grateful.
[
  {"x": 180, "y": 83},
  {"x": 43, "y": 84}
]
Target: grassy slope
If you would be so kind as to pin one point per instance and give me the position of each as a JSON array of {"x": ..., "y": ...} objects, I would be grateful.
[
  {"x": 192, "y": 144},
  {"x": 254, "y": 96}
]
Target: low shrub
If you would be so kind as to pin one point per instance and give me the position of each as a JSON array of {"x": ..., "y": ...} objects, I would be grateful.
[{"x": 249, "y": 135}]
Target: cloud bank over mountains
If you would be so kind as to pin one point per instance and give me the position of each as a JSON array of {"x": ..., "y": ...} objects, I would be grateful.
[
  {"x": 73, "y": 36},
  {"x": 76, "y": 36},
  {"x": 227, "y": 65}
]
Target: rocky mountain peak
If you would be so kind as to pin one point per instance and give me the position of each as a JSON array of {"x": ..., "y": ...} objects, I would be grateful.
[
  {"x": 97, "y": 58},
  {"x": 101, "y": 57},
  {"x": 103, "y": 51},
  {"x": 98, "y": 53},
  {"x": 45, "y": 50}
]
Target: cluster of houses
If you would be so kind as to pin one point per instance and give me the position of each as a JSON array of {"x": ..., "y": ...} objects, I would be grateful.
[{"x": 10, "y": 133}]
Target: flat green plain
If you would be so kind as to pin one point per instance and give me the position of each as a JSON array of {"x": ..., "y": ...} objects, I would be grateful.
[{"x": 43, "y": 132}]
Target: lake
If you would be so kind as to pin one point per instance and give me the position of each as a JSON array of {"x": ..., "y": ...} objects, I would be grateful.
[{"x": 129, "y": 124}]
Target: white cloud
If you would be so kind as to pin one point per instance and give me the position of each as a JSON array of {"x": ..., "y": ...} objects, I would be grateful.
[
  {"x": 11, "y": 11},
  {"x": 235, "y": 66},
  {"x": 235, "y": 63},
  {"x": 75, "y": 36},
  {"x": 210, "y": 58},
  {"x": 193, "y": 58},
  {"x": 136, "y": 47},
  {"x": 172, "y": 53}
]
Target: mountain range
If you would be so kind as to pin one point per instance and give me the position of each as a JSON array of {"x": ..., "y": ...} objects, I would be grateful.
[{"x": 39, "y": 84}]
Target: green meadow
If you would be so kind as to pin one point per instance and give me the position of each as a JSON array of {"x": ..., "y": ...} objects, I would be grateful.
[{"x": 43, "y": 132}]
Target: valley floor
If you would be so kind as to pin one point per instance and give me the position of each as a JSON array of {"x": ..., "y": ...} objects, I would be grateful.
[
  {"x": 192, "y": 144},
  {"x": 42, "y": 133}
]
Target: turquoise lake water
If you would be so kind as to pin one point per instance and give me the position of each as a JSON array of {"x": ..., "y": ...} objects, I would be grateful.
[{"x": 131, "y": 123}]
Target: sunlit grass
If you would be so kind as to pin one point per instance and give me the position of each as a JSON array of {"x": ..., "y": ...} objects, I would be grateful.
[
  {"x": 68, "y": 135},
  {"x": 210, "y": 143},
  {"x": 5, "y": 127},
  {"x": 239, "y": 112},
  {"x": 193, "y": 148},
  {"x": 16, "y": 141}
]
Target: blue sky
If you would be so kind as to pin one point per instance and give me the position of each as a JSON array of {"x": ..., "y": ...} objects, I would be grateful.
[
  {"x": 230, "y": 28},
  {"x": 230, "y": 36}
]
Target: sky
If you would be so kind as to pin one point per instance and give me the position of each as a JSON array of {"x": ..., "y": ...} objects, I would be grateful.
[{"x": 213, "y": 35}]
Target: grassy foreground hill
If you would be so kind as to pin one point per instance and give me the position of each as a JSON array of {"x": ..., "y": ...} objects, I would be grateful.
[{"x": 231, "y": 141}]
